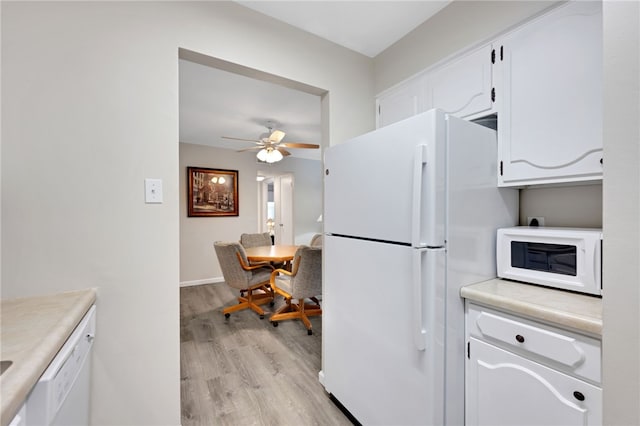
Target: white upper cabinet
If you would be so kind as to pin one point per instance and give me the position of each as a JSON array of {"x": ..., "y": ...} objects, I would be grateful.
[
  {"x": 544, "y": 81},
  {"x": 550, "y": 110},
  {"x": 403, "y": 101},
  {"x": 463, "y": 86}
]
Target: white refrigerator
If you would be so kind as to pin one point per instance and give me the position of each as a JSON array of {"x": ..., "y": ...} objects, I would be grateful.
[{"x": 410, "y": 216}]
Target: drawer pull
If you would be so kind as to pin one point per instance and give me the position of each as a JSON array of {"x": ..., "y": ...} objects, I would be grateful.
[
  {"x": 520, "y": 338},
  {"x": 578, "y": 395}
]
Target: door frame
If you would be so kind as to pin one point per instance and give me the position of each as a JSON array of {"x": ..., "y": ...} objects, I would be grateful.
[{"x": 283, "y": 210}]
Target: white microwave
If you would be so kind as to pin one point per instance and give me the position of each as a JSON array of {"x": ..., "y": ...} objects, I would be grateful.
[{"x": 565, "y": 258}]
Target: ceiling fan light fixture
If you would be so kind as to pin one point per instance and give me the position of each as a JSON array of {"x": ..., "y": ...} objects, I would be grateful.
[
  {"x": 271, "y": 149},
  {"x": 269, "y": 155}
]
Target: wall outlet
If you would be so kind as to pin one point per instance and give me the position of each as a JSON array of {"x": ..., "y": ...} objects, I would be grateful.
[{"x": 535, "y": 221}]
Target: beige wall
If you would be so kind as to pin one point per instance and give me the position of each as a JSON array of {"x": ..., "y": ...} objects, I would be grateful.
[
  {"x": 621, "y": 351},
  {"x": 197, "y": 258},
  {"x": 89, "y": 110},
  {"x": 574, "y": 206}
]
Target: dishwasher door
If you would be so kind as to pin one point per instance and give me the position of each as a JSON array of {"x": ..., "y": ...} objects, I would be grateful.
[{"x": 61, "y": 396}]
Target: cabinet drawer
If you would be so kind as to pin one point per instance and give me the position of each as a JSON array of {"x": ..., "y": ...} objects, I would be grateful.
[{"x": 570, "y": 352}]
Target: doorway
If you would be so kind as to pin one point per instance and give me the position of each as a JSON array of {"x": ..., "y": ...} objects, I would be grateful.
[
  {"x": 276, "y": 208},
  {"x": 198, "y": 234},
  {"x": 215, "y": 97}
]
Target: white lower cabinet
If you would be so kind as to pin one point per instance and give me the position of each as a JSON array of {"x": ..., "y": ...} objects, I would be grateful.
[{"x": 521, "y": 372}]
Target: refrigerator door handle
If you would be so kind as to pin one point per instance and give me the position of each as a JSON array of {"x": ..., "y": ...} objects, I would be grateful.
[
  {"x": 419, "y": 329},
  {"x": 419, "y": 166}
]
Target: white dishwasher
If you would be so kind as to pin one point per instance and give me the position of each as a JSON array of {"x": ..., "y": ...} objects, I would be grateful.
[{"x": 61, "y": 396}]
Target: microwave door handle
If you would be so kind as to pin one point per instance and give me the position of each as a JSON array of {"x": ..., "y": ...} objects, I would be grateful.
[{"x": 419, "y": 166}]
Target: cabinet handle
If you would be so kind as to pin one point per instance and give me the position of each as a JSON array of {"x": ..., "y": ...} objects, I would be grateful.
[
  {"x": 578, "y": 395},
  {"x": 520, "y": 338}
]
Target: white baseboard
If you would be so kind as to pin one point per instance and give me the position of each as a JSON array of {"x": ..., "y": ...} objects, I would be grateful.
[{"x": 200, "y": 282}]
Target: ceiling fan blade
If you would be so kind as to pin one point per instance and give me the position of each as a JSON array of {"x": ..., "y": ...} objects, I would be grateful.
[
  {"x": 253, "y": 148},
  {"x": 241, "y": 139},
  {"x": 276, "y": 136},
  {"x": 299, "y": 145},
  {"x": 283, "y": 151}
]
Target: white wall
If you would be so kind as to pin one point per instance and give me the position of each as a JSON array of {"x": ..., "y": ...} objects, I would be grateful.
[
  {"x": 198, "y": 262},
  {"x": 90, "y": 109},
  {"x": 621, "y": 299}
]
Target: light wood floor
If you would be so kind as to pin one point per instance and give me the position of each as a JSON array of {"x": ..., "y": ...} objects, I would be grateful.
[{"x": 244, "y": 371}]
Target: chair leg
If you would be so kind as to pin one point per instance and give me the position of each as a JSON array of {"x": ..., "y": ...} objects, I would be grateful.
[
  {"x": 298, "y": 310},
  {"x": 251, "y": 301},
  {"x": 306, "y": 311}
]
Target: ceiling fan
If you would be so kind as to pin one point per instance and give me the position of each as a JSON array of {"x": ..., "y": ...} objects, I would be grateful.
[{"x": 271, "y": 149}]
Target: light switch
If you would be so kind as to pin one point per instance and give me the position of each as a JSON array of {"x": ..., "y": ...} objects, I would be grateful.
[{"x": 153, "y": 190}]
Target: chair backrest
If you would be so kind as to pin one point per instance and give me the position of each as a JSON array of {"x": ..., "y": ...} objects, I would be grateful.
[
  {"x": 306, "y": 280},
  {"x": 234, "y": 275},
  {"x": 255, "y": 240},
  {"x": 316, "y": 240}
]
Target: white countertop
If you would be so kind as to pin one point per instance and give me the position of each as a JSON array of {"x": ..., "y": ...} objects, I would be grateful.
[
  {"x": 32, "y": 331},
  {"x": 578, "y": 312}
]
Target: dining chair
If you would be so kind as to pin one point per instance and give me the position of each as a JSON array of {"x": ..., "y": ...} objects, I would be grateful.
[
  {"x": 240, "y": 275},
  {"x": 258, "y": 240},
  {"x": 316, "y": 240},
  {"x": 255, "y": 240},
  {"x": 304, "y": 281}
]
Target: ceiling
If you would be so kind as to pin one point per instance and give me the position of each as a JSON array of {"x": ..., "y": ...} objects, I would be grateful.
[
  {"x": 368, "y": 27},
  {"x": 216, "y": 103}
]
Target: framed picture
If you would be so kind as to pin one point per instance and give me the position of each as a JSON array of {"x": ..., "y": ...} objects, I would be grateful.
[{"x": 212, "y": 192}]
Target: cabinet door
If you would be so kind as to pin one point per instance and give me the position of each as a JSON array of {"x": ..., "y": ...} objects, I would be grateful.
[
  {"x": 462, "y": 87},
  {"x": 550, "y": 114},
  {"x": 506, "y": 389},
  {"x": 402, "y": 102}
]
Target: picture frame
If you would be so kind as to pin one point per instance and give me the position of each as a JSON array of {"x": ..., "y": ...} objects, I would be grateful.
[{"x": 212, "y": 192}]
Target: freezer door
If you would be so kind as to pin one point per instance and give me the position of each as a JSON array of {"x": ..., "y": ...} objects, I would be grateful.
[
  {"x": 383, "y": 330},
  {"x": 388, "y": 185}
]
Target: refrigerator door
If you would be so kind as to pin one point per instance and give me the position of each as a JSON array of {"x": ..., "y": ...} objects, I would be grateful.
[
  {"x": 383, "y": 330},
  {"x": 388, "y": 185}
]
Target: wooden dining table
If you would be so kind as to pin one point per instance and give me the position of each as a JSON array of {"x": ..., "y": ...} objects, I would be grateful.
[{"x": 276, "y": 253}]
